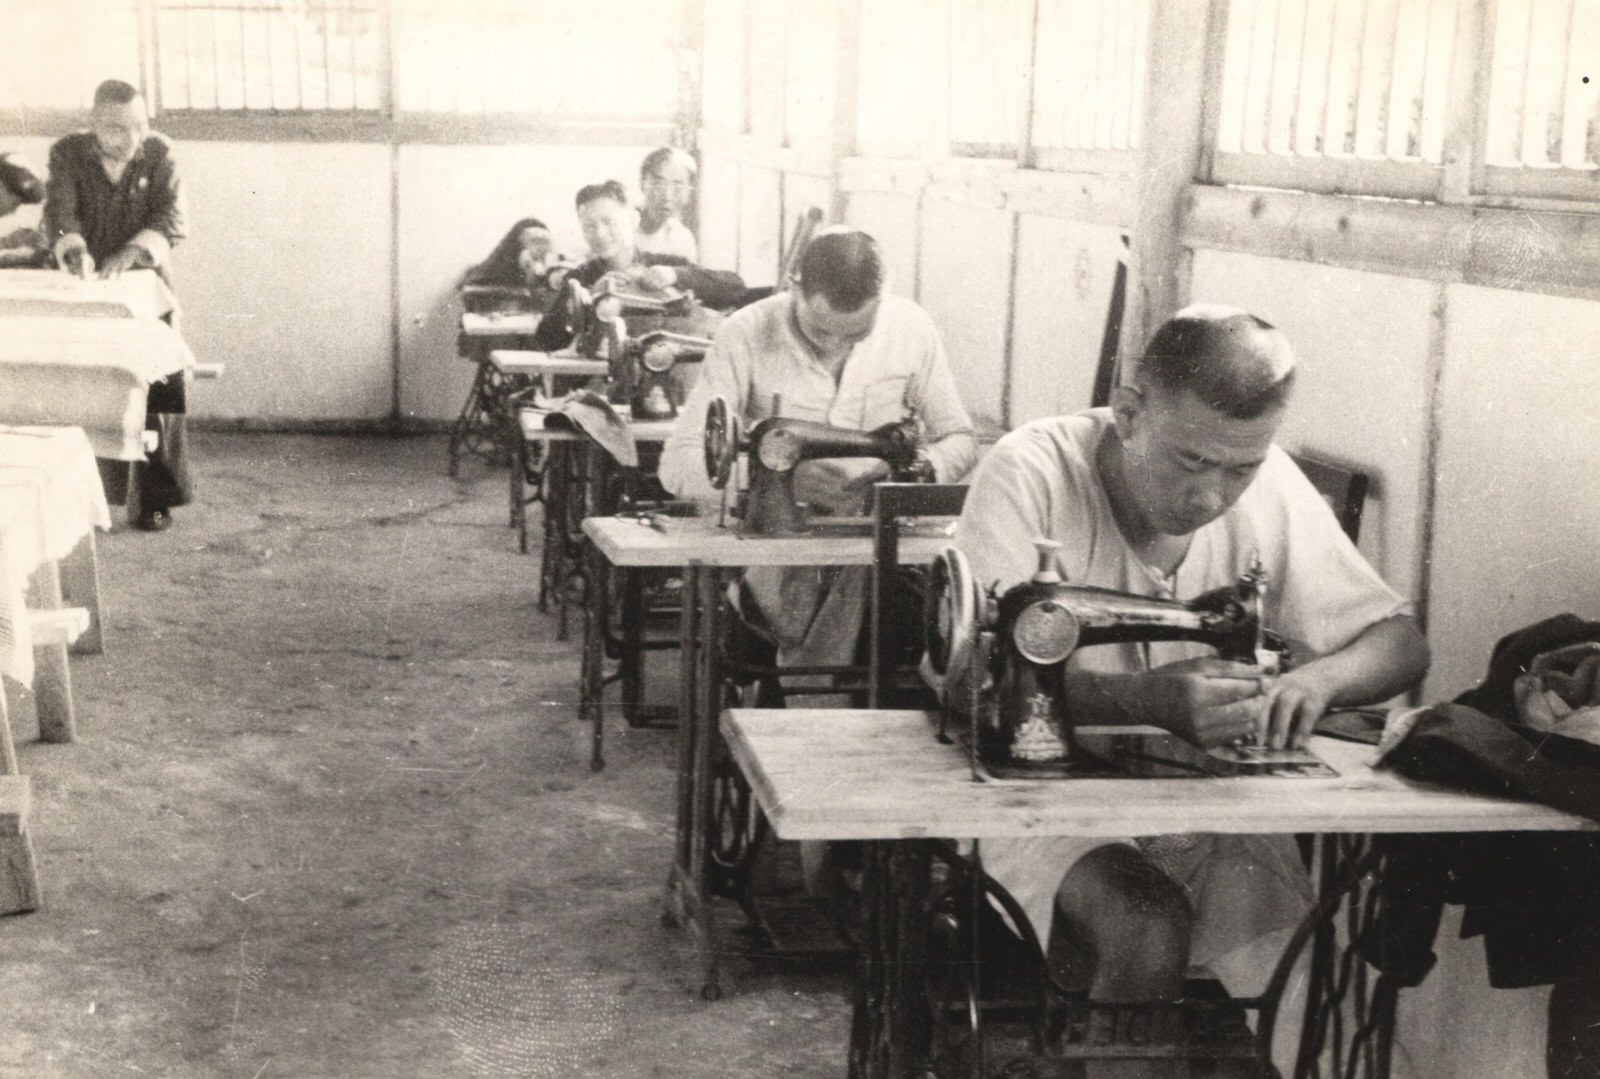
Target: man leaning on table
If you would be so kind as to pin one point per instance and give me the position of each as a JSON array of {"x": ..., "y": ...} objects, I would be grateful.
[
  {"x": 114, "y": 203},
  {"x": 837, "y": 350},
  {"x": 1167, "y": 493}
]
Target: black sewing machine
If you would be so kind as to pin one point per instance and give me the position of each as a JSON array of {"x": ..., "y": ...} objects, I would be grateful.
[
  {"x": 587, "y": 313},
  {"x": 645, "y": 372},
  {"x": 776, "y": 445},
  {"x": 998, "y": 662}
]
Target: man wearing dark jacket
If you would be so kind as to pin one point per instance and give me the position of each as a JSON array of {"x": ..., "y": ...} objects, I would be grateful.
[
  {"x": 114, "y": 203},
  {"x": 610, "y": 228}
]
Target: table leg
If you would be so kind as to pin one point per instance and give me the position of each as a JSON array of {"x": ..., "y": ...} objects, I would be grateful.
[
  {"x": 688, "y": 902},
  {"x": 1350, "y": 1005},
  {"x": 630, "y": 663},
  {"x": 467, "y": 433},
  {"x": 80, "y": 586},
  {"x": 889, "y": 1027},
  {"x": 8, "y": 747},
  {"x": 19, "y": 875},
  {"x": 591, "y": 693},
  {"x": 552, "y": 494},
  {"x": 52, "y": 681},
  {"x": 673, "y": 913}
]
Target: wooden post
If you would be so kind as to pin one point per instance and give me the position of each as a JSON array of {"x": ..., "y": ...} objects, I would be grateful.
[
  {"x": 52, "y": 681},
  {"x": 1184, "y": 68},
  {"x": 80, "y": 586}
]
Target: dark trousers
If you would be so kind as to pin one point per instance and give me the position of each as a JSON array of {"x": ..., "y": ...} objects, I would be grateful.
[{"x": 162, "y": 479}]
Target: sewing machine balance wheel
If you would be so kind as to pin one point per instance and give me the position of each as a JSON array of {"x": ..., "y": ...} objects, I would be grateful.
[
  {"x": 953, "y": 615},
  {"x": 721, "y": 442}
]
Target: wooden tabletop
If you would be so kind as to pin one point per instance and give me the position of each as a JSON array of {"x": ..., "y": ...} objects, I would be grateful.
[
  {"x": 498, "y": 323},
  {"x": 626, "y": 542},
  {"x": 515, "y": 361},
  {"x": 856, "y": 774}
]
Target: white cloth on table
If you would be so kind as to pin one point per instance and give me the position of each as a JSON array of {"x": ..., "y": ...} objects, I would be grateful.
[
  {"x": 50, "y": 498},
  {"x": 1040, "y": 482},
  {"x": 19, "y": 556},
  {"x": 136, "y": 294},
  {"x": 92, "y": 373},
  {"x": 759, "y": 354}
]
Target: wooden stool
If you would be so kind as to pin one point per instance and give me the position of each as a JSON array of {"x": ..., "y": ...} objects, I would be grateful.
[{"x": 19, "y": 876}]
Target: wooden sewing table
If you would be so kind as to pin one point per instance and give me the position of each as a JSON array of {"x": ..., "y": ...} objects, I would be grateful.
[
  {"x": 479, "y": 429},
  {"x": 882, "y": 776},
  {"x": 709, "y": 558}
]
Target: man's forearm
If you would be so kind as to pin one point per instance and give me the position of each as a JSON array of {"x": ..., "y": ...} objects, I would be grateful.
[
  {"x": 953, "y": 456},
  {"x": 1388, "y": 657}
]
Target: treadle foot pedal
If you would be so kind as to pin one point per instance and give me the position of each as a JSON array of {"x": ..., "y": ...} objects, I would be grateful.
[
  {"x": 653, "y": 716},
  {"x": 799, "y": 926}
]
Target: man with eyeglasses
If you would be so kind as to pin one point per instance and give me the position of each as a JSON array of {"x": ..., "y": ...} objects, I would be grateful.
[
  {"x": 667, "y": 179},
  {"x": 114, "y": 203}
]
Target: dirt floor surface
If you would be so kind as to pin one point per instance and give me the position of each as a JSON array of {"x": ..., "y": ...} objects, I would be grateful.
[{"x": 329, "y": 812}]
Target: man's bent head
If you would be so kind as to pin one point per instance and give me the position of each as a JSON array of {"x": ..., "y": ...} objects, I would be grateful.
[
  {"x": 840, "y": 285},
  {"x": 1198, "y": 419},
  {"x": 1231, "y": 360},
  {"x": 119, "y": 120}
]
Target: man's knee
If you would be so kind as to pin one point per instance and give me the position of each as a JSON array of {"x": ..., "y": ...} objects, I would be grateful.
[{"x": 1119, "y": 908}]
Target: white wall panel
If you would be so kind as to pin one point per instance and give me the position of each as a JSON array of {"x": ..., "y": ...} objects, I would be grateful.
[
  {"x": 1065, "y": 272},
  {"x": 1518, "y": 520},
  {"x": 760, "y": 223},
  {"x": 893, "y": 221},
  {"x": 285, "y": 278},
  {"x": 966, "y": 270}
]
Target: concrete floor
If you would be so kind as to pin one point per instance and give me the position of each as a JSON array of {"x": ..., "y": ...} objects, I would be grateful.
[{"x": 330, "y": 814}]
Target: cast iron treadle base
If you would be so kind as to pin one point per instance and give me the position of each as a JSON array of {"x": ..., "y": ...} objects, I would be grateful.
[{"x": 799, "y": 926}]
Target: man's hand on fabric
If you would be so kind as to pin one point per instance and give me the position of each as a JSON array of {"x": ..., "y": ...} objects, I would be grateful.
[
  {"x": 1209, "y": 702},
  {"x": 72, "y": 254},
  {"x": 131, "y": 257},
  {"x": 1295, "y": 702}
]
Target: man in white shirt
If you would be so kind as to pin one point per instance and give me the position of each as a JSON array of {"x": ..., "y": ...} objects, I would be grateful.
[
  {"x": 837, "y": 350},
  {"x": 1169, "y": 493}
]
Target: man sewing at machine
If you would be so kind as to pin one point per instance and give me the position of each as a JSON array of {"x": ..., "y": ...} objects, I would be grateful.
[
  {"x": 837, "y": 350},
  {"x": 1171, "y": 492},
  {"x": 610, "y": 228}
]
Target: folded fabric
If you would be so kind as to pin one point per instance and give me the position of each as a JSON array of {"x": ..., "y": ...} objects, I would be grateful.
[{"x": 591, "y": 413}]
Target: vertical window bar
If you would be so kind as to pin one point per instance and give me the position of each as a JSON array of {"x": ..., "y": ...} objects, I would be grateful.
[
  {"x": 1524, "y": 144},
  {"x": 272, "y": 62},
  {"x": 1556, "y": 124},
  {"x": 325, "y": 24}
]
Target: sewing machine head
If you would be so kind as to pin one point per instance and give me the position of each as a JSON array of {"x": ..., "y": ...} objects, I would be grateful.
[
  {"x": 645, "y": 372},
  {"x": 1004, "y": 655},
  {"x": 587, "y": 313},
  {"x": 776, "y": 446}
]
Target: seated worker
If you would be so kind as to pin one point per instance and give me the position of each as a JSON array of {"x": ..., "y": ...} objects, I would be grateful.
[
  {"x": 839, "y": 351},
  {"x": 21, "y": 246},
  {"x": 114, "y": 203},
  {"x": 610, "y": 228},
  {"x": 667, "y": 179},
  {"x": 1168, "y": 493},
  {"x": 519, "y": 260}
]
